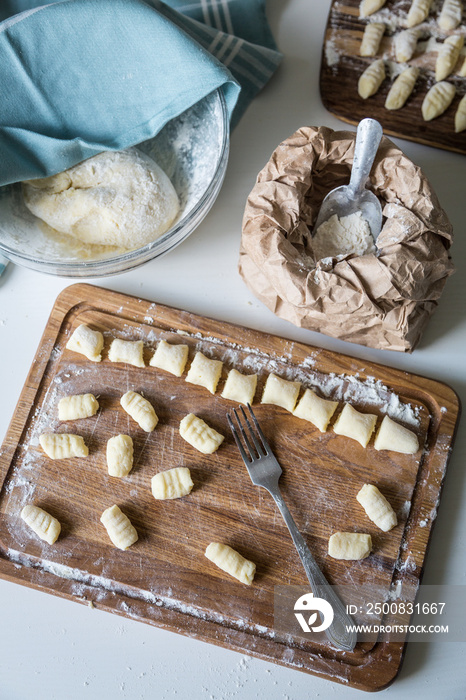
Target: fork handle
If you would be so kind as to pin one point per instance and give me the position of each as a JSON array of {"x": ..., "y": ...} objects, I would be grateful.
[{"x": 340, "y": 633}]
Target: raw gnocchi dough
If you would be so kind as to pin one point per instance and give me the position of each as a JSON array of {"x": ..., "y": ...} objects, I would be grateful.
[
  {"x": 200, "y": 435},
  {"x": 120, "y": 455},
  {"x": 401, "y": 88},
  {"x": 204, "y": 372},
  {"x": 42, "y": 523},
  {"x": 395, "y": 437},
  {"x": 140, "y": 410},
  {"x": 377, "y": 508},
  {"x": 460, "y": 116},
  {"x": 368, "y": 7},
  {"x": 372, "y": 78},
  {"x": 316, "y": 410},
  {"x": 129, "y": 351},
  {"x": 172, "y": 483},
  {"x": 437, "y": 100},
  {"x": 462, "y": 70},
  {"x": 171, "y": 358},
  {"x": 450, "y": 15},
  {"x": 281, "y": 392},
  {"x": 448, "y": 55},
  {"x": 418, "y": 12},
  {"x": 232, "y": 562},
  {"x": 371, "y": 39},
  {"x": 77, "y": 406},
  {"x": 355, "y": 425},
  {"x": 240, "y": 387},
  {"x": 405, "y": 44},
  {"x": 86, "y": 342},
  {"x": 349, "y": 545},
  {"x": 63, "y": 445},
  {"x": 119, "y": 528}
]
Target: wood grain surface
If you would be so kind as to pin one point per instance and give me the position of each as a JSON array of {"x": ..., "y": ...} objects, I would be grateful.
[
  {"x": 165, "y": 579},
  {"x": 342, "y": 66}
]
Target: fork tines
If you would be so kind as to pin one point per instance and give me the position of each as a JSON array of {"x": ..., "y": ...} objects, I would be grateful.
[{"x": 260, "y": 443}]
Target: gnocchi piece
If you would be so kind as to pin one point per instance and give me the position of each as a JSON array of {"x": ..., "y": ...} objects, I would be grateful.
[
  {"x": 119, "y": 455},
  {"x": 119, "y": 528},
  {"x": 368, "y": 7},
  {"x": 349, "y": 545},
  {"x": 240, "y": 387},
  {"x": 140, "y": 410},
  {"x": 280, "y": 392},
  {"x": 460, "y": 116},
  {"x": 42, "y": 523},
  {"x": 405, "y": 44},
  {"x": 316, "y": 410},
  {"x": 401, "y": 88},
  {"x": 77, "y": 406},
  {"x": 63, "y": 445},
  {"x": 450, "y": 15},
  {"x": 395, "y": 437},
  {"x": 462, "y": 70},
  {"x": 437, "y": 100},
  {"x": 204, "y": 372},
  {"x": 171, "y": 358},
  {"x": 231, "y": 562},
  {"x": 418, "y": 12},
  {"x": 172, "y": 483},
  {"x": 129, "y": 351},
  {"x": 86, "y": 342},
  {"x": 372, "y": 78},
  {"x": 355, "y": 425},
  {"x": 377, "y": 508},
  {"x": 371, "y": 39},
  {"x": 200, "y": 435},
  {"x": 448, "y": 55}
]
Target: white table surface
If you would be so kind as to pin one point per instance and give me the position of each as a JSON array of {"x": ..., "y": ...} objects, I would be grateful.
[{"x": 52, "y": 648}]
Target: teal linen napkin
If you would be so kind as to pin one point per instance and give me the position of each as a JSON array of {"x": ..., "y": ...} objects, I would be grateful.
[{"x": 79, "y": 77}]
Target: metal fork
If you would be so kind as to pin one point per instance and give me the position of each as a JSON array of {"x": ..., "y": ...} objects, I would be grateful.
[{"x": 265, "y": 471}]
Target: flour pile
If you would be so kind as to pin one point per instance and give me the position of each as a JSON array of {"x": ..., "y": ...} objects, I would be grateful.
[{"x": 350, "y": 234}]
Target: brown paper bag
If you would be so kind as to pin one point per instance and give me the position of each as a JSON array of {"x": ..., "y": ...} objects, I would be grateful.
[{"x": 382, "y": 300}]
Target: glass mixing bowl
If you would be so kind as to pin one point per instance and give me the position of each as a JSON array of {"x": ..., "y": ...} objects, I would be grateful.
[{"x": 193, "y": 151}]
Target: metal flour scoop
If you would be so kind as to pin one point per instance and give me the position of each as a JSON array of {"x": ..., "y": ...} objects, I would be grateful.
[{"x": 349, "y": 199}]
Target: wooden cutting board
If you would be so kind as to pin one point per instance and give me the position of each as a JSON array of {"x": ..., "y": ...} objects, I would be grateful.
[
  {"x": 342, "y": 66},
  {"x": 164, "y": 579}
]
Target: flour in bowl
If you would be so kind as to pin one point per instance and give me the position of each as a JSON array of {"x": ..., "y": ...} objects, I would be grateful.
[
  {"x": 116, "y": 198},
  {"x": 350, "y": 234}
]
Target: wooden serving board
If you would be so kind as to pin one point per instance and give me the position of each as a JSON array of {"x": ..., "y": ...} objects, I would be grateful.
[
  {"x": 165, "y": 579},
  {"x": 342, "y": 66}
]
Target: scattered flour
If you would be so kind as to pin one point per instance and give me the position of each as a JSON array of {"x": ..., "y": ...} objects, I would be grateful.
[{"x": 350, "y": 234}]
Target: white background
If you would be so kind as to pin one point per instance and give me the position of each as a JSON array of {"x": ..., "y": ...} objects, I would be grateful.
[{"x": 52, "y": 648}]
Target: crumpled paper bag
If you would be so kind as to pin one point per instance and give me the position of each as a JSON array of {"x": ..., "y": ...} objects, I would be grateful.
[{"x": 381, "y": 300}]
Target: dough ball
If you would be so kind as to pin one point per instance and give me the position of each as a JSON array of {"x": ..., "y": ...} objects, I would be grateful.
[{"x": 116, "y": 198}]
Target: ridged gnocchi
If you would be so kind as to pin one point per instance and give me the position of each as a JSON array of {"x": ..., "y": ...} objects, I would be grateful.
[
  {"x": 42, "y": 523},
  {"x": 450, "y": 15},
  {"x": 405, "y": 44},
  {"x": 77, "y": 406},
  {"x": 119, "y": 455},
  {"x": 281, "y": 392},
  {"x": 418, "y": 12},
  {"x": 377, "y": 508},
  {"x": 63, "y": 445},
  {"x": 438, "y": 99},
  {"x": 140, "y": 410},
  {"x": 448, "y": 55},
  {"x": 86, "y": 342},
  {"x": 172, "y": 483},
  {"x": 129, "y": 351},
  {"x": 371, "y": 39},
  {"x": 231, "y": 562},
  {"x": 368, "y": 7},
  {"x": 460, "y": 115},
  {"x": 355, "y": 425},
  {"x": 349, "y": 545},
  {"x": 205, "y": 372},
  {"x": 401, "y": 88},
  {"x": 200, "y": 435},
  {"x": 371, "y": 79},
  {"x": 171, "y": 358},
  {"x": 119, "y": 528}
]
